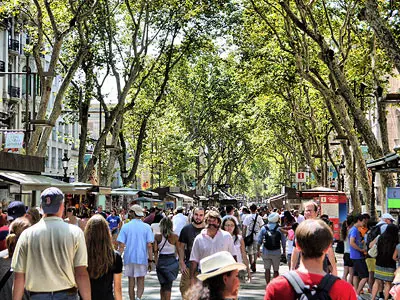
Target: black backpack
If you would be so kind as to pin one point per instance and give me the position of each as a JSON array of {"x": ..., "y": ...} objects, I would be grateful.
[
  {"x": 375, "y": 231},
  {"x": 306, "y": 292},
  {"x": 272, "y": 238}
]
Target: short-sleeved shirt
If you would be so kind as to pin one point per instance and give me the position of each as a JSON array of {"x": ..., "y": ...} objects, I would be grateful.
[
  {"x": 280, "y": 288},
  {"x": 179, "y": 221},
  {"x": 113, "y": 221},
  {"x": 263, "y": 232},
  {"x": 249, "y": 223},
  {"x": 204, "y": 245},
  {"x": 135, "y": 235},
  {"x": 187, "y": 236},
  {"x": 355, "y": 233},
  {"x": 48, "y": 252},
  {"x": 102, "y": 287}
]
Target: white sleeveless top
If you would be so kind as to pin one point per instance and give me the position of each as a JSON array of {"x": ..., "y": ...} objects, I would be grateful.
[
  {"x": 167, "y": 248},
  {"x": 236, "y": 246}
]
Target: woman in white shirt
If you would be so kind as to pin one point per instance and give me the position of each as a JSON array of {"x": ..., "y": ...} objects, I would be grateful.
[{"x": 229, "y": 224}]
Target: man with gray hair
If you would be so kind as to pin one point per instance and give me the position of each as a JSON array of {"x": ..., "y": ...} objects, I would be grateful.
[{"x": 56, "y": 271}]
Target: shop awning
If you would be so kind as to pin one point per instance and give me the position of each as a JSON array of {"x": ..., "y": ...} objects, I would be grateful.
[
  {"x": 81, "y": 188},
  {"x": 146, "y": 199},
  {"x": 276, "y": 201},
  {"x": 124, "y": 192},
  {"x": 389, "y": 163},
  {"x": 28, "y": 182},
  {"x": 182, "y": 197}
]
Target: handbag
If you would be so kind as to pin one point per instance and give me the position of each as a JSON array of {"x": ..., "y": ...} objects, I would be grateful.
[
  {"x": 373, "y": 251},
  {"x": 339, "y": 247},
  {"x": 248, "y": 240}
]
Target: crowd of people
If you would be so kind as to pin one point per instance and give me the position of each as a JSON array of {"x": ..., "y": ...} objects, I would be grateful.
[
  {"x": 371, "y": 254},
  {"x": 57, "y": 255}
]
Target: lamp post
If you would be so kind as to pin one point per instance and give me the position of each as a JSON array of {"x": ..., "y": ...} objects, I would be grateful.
[
  {"x": 341, "y": 173},
  {"x": 65, "y": 161}
]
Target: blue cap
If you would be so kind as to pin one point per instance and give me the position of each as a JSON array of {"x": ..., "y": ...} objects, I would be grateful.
[
  {"x": 52, "y": 198},
  {"x": 15, "y": 210}
]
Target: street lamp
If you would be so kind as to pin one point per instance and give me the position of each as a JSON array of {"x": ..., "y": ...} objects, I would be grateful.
[
  {"x": 65, "y": 161},
  {"x": 342, "y": 168}
]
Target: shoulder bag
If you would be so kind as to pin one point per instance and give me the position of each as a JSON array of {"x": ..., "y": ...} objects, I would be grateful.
[
  {"x": 373, "y": 251},
  {"x": 248, "y": 240}
]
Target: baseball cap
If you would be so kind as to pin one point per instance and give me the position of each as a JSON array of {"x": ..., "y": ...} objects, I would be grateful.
[
  {"x": 15, "y": 210},
  {"x": 273, "y": 217},
  {"x": 137, "y": 210},
  {"x": 51, "y": 198},
  {"x": 388, "y": 216}
]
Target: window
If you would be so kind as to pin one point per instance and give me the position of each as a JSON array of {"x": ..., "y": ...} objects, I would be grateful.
[
  {"x": 60, "y": 156},
  {"x": 54, "y": 134},
  {"x": 47, "y": 161},
  {"x": 53, "y": 158},
  {"x": 60, "y": 132}
]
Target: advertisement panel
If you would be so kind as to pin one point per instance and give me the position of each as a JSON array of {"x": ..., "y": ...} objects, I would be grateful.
[
  {"x": 335, "y": 206},
  {"x": 393, "y": 197}
]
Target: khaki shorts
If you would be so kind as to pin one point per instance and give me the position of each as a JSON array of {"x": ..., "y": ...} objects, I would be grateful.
[
  {"x": 370, "y": 264},
  {"x": 273, "y": 260},
  {"x": 252, "y": 249}
]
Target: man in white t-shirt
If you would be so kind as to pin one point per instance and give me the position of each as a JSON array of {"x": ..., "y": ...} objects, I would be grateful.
[
  {"x": 248, "y": 224},
  {"x": 179, "y": 220}
]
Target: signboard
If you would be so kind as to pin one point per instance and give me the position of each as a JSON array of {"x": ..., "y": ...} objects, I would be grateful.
[
  {"x": 301, "y": 177},
  {"x": 330, "y": 205},
  {"x": 393, "y": 197},
  {"x": 14, "y": 140}
]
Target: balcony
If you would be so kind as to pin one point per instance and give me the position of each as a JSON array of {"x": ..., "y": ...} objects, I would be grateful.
[
  {"x": 14, "y": 91},
  {"x": 13, "y": 45}
]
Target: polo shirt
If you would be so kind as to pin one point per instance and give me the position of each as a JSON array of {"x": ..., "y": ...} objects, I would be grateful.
[
  {"x": 204, "y": 245},
  {"x": 48, "y": 252},
  {"x": 135, "y": 235}
]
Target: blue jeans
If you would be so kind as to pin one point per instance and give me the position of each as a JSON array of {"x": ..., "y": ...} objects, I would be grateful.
[{"x": 55, "y": 296}]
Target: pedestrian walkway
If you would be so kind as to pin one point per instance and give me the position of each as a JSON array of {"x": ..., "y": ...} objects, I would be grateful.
[{"x": 253, "y": 290}]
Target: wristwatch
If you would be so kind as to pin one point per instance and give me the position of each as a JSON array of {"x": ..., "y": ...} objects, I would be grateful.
[{"x": 151, "y": 260}]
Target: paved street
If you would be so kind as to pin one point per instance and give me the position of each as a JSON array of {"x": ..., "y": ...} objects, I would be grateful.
[{"x": 253, "y": 290}]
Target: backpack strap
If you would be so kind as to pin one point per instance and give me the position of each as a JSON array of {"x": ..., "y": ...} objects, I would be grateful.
[
  {"x": 295, "y": 281},
  {"x": 327, "y": 282}
]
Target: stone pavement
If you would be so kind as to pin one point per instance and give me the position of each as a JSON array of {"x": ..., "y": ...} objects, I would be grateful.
[{"x": 253, "y": 290}]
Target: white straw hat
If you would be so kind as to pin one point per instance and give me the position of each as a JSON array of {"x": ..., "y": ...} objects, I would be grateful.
[{"x": 218, "y": 263}]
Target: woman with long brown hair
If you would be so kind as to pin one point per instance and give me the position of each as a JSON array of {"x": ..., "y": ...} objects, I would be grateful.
[
  {"x": 104, "y": 264},
  {"x": 167, "y": 267},
  {"x": 16, "y": 228}
]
